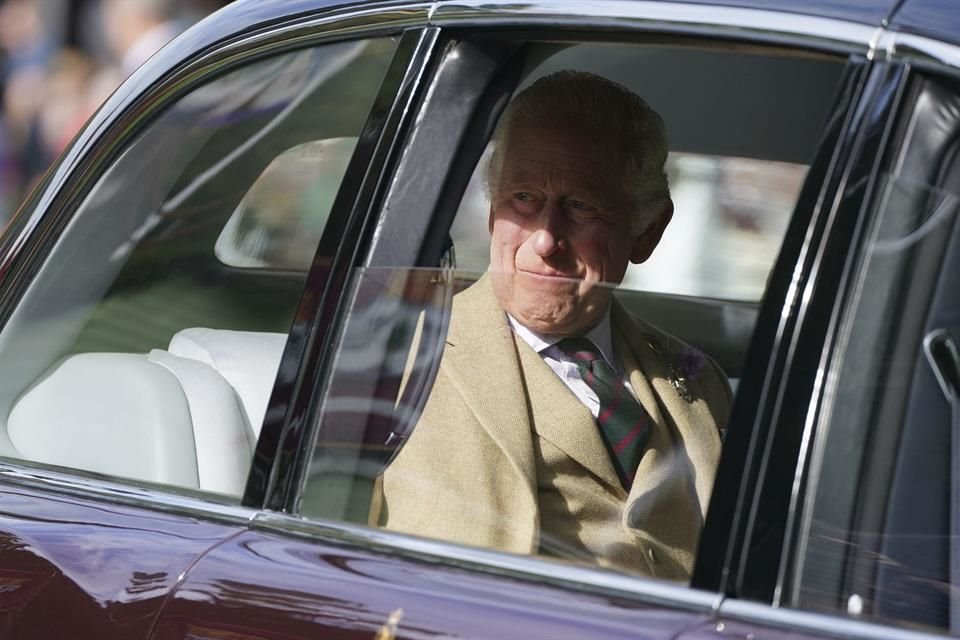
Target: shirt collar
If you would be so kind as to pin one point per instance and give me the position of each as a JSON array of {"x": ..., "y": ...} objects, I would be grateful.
[{"x": 600, "y": 335}]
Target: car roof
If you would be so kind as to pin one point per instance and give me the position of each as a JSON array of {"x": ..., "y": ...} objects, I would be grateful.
[{"x": 939, "y": 19}]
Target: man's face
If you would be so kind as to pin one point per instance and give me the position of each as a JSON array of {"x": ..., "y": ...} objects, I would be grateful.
[{"x": 560, "y": 228}]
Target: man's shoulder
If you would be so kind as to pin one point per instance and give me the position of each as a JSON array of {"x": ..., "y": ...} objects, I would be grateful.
[{"x": 679, "y": 358}]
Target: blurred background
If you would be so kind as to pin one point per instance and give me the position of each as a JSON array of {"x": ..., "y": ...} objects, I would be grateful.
[{"x": 59, "y": 60}]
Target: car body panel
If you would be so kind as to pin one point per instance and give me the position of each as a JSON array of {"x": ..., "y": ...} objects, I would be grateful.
[
  {"x": 309, "y": 588},
  {"x": 752, "y": 621},
  {"x": 101, "y": 569}
]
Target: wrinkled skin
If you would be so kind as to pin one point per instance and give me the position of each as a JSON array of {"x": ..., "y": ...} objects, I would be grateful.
[{"x": 561, "y": 232}]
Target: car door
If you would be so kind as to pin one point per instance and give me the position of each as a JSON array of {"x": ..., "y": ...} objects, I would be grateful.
[
  {"x": 127, "y": 437},
  {"x": 869, "y": 533},
  {"x": 317, "y": 563}
]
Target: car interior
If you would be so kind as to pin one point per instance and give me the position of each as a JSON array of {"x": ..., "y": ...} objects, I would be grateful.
[{"x": 158, "y": 320}]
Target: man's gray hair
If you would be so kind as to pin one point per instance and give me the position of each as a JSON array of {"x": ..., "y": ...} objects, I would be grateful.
[{"x": 581, "y": 101}]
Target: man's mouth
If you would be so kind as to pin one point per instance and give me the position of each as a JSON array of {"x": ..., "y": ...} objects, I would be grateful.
[{"x": 553, "y": 278}]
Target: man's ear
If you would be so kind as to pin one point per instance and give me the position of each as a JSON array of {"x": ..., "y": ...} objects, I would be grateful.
[{"x": 647, "y": 241}]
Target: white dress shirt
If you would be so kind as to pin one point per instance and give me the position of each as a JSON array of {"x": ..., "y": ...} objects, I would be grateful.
[{"x": 565, "y": 367}]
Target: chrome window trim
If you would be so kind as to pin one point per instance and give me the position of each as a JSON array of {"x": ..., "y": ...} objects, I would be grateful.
[
  {"x": 648, "y": 15},
  {"x": 796, "y": 622},
  {"x": 407, "y": 547},
  {"x": 121, "y": 493}
]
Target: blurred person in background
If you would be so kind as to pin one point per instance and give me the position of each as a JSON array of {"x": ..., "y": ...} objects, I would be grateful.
[
  {"x": 136, "y": 29},
  {"x": 59, "y": 60},
  {"x": 27, "y": 52}
]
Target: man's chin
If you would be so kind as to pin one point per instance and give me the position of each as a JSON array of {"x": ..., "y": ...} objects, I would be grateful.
[
  {"x": 556, "y": 315},
  {"x": 546, "y": 315}
]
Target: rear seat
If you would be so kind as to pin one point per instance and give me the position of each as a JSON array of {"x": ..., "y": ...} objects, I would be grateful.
[
  {"x": 248, "y": 360},
  {"x": 187, "y": 417}
]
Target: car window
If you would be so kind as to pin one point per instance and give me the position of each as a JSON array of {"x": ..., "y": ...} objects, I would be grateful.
[
  {"x": 445, "y": 417},
  {"x": 147, "y": 345},
  {"x": 880, "y": 519},
  {"x": 736, "y": 196}
]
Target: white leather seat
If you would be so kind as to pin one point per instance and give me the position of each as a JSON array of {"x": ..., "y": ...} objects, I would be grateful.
[
  {"x": 156, "y": 417},
  {"x": 248, "y": 360}
]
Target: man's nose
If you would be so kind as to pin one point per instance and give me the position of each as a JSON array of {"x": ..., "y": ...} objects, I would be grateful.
[{"x": 550, "y": 237}]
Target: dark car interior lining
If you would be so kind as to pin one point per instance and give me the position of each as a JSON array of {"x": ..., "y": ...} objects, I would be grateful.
[
  {"x": 886, "y": 537},
  {"x": 918, "y": 544}
]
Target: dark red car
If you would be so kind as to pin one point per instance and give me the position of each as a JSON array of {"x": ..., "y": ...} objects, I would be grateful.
[{"x": 208, "y": 308}]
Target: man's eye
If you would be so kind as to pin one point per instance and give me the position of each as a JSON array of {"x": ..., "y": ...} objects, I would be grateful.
[
  {"x": 580, "y": 205},
  {"x": 525, "y": 202}
]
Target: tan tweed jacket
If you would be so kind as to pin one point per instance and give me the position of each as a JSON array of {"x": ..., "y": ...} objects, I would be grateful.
[{"x": 506, "y": 457}]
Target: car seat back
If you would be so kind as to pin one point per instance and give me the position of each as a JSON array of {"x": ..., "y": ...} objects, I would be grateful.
[
  {"x": 247, "y": 360},
  {"x": 156, "y": 417}
]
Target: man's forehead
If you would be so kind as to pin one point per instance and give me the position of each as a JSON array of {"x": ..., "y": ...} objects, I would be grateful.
[{"x": 539, "y": 154}]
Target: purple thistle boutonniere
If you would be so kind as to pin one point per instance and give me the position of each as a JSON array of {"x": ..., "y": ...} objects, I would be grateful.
[{"x": 685, "y": 369}]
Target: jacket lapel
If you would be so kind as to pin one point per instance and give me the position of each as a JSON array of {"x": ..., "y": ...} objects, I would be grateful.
[
  {"x": 659, "y": 476},
  {"x": 561, "y": 419},
  {"x": 482, "y": 335},
  {"x": 679, "y": 426}
]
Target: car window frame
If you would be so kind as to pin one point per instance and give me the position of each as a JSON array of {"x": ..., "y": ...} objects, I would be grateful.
[
  {"x": 274, "y": 511},
  {"x": 280, "y": 453},
  {"x": 895, "y": 58},
  {"x": 783, "y": 429},
  {"x": 714, "y": 578}
]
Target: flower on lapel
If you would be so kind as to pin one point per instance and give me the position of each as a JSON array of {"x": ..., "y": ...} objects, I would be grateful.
[{"x": 684, "y": 370}]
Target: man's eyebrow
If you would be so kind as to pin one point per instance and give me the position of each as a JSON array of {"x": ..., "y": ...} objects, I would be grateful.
[{"x": 597, "y": 189}]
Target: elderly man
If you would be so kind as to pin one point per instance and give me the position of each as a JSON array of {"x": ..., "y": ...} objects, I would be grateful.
[{"x": 559, "y": 424}]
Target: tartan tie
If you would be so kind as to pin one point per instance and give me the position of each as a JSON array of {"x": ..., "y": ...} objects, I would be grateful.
[{"x": 624, "y": 425}]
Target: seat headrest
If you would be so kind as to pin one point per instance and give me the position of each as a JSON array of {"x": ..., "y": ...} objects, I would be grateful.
[{"x": 248, "y": 360}]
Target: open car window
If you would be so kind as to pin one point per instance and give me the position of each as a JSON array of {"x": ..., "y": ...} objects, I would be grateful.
[
  {"x": 735, "y": 192},
  {"x": 496, "y": 450},
  {"x": 158, "y": 320}
]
